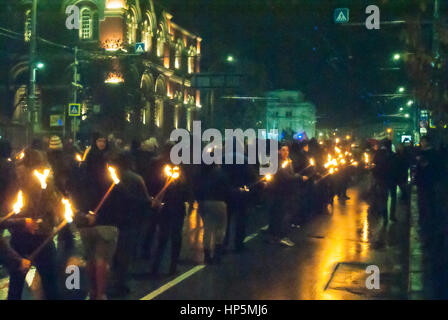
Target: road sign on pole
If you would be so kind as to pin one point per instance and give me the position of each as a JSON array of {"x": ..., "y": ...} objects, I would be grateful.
[
  {"x": 341, "y": 15},
  {"x": 74, "y": 109},
  {"x": 139, "y": 47}
]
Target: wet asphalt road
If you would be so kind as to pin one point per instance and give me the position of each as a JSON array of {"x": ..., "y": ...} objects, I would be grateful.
[{"x": 328, "y": 261}]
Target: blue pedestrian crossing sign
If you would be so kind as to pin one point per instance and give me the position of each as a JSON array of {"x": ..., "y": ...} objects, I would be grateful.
[
  {"x": 74, "y": 109},
  {"x": 139, "y": 47},
  {"x": 341, "y": 15}
]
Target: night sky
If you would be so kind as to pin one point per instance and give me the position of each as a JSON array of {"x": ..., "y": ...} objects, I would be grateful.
[{"x": 294, "y": 44}]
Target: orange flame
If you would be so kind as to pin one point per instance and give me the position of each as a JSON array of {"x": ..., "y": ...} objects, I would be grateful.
[
  {"x": 285, "y": 163},
  {"x": 268, "y": 177},
  {"x": 68, "y": 215},
  {"x": 113, "y": 174},
  {"x": 42, "y": 177},
  {"x": 19, "y": 203}
]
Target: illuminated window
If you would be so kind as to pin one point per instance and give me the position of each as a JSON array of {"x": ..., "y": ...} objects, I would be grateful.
[
  {"x": 132, "y": 27},
  {"x": 85, "y": 32},
  {"x": 191, "y": 59},
  {"x": 114, "y": 4},
  {"x": 28, "y": 29},
  {"x": 160, "y": 43},
  {"x": 147, "y": 35},
  {"x": 178, "y": 58}
]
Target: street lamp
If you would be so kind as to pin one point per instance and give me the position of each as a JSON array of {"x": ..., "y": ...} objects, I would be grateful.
[
  {"x": 397, "y": 57},
  {"x": 401, "y": 89},
  {"x": 410, "y": 103},
  {"x": 401, "y": 109},
  {"x": 40, "y": 65},
  {"x": 406, "y": 115},
  {"x": 230, "y": 58}
]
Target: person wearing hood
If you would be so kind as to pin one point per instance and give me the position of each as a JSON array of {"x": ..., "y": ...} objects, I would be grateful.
[
  {"x": 8, "y": 190},
  {"x": 42, "y": 212}
]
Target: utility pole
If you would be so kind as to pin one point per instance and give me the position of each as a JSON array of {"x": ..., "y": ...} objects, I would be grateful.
[
  {"x": 75, "y": 93},
  {"x": 435, "y": 33},
  {"x": 34, "y": 114}
]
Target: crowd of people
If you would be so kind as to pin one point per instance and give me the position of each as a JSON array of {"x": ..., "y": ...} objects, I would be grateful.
[{"x": 145, "y": 211}]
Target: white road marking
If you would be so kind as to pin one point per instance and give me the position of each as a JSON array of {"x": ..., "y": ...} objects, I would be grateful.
[
  {"x": 172, "y": 283},
  {"x": 189, "y": 273}
]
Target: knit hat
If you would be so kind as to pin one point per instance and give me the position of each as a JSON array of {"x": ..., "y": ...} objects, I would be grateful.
[
  {"x": 150, "y": 145},
  {"x": 55, "y": 143}
]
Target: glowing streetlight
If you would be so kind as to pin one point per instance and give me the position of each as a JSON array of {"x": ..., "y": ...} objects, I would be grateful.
[
  {"x": 397, "y": 57},
  {"x": 230, "y": 58},
  {"x": 410, "y": 103},
  {"x": 407, "y": 115},
  {"x": 401, "y": 89},
  {"x": 401, "y": 109}
]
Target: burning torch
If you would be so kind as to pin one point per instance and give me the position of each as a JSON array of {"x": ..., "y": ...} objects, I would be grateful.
[
  {"x": 68, "y": 218},
  {"x": 17, "y": 207},
  {"x": 171, "y": 173},
  {"x": 113, "y": 175}
]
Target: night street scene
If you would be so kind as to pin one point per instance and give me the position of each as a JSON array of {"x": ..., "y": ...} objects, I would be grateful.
[{"x": 223, "y": 150}]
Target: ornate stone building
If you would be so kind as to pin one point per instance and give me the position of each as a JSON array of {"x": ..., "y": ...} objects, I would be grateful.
[{"x": 122, "y": 90}]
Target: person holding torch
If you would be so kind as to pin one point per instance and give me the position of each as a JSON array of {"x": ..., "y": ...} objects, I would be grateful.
[
  {"x": 285, "y": 181},
  {"x": 170, "y": 208},
  {"x": 11, "y": 259},
  {"x": 35, "y": 223}
]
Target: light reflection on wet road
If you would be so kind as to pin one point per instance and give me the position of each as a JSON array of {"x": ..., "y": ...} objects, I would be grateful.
[{"x": 328, "y": 261}]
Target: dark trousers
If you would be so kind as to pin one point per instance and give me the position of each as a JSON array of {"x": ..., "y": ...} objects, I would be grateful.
[
  {"x": 170, "y": 222},
  {"x": 45, "y": 264},
  {"x": 382, "y": 191},
  {"x": 126, "y": 245},
  {"x": 277, "y": 217},
  {"x": 236, "y": 214}
]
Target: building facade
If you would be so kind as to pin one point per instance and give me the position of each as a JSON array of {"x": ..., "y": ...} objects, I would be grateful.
[
  {"x": 131, "y": 69},
  {"x": 289, "y": 113}
]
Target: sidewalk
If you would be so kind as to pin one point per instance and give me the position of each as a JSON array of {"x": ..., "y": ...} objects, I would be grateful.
[{"x": 426, "y": 263}]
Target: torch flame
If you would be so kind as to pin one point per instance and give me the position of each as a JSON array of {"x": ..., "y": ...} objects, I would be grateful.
[
  {"x": 42, "y": 177},
  {"x": 113, "y": 174},
  {"x": 173, "y": 173},
  {"x": 285, "y": 163},
  {"x": 168, "y": 171},
  {"x": 78, "y": 157},
  {"x": 176, "y": 173},
  {"x": 312, "y": 163},
  {"x": 19, "y": 203},
  {"x": 68, "y": 215},
  {"x": 20, "y": 155},
  {"x": 268, "y": 177},
  {"x": 366, "y": 157},
  {"x": 331, "y": 171}
]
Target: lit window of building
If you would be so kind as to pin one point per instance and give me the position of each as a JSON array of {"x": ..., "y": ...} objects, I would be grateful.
[
  {"x": 85, "y": 32},
  {"x": 114, "y": 4},
  {"x": 160, "y": 43},
  {"x": 191, "y": 59},
  {"x": 132, "y": 27},
  {"x": 27, "y": 29},
  {"x": 178, "y": 59},
  {"x": 147, "y": 35}
]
